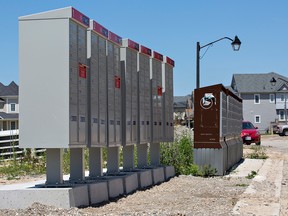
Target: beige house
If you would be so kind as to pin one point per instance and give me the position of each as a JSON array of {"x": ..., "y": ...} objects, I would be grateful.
[{"x": 9, "y": 107}]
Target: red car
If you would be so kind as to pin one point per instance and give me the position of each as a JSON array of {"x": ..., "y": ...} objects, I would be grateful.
[{"x": 250, "y": 134}]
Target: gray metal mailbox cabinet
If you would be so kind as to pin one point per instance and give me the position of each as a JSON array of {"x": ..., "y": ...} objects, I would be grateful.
[
  {"x": 97, "y": 52},
  {"x": 157, "y": 97},
  {"x": 53, "y": 79},
  {"x": 129, "y": 56},
  {"x": 114, "y": 90},
  {"x": 144, "y": 95},
  {"x": 167, "y": 80}
]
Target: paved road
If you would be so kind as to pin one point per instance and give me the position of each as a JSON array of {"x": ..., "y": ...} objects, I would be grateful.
[{"x": 268, "y": 192}]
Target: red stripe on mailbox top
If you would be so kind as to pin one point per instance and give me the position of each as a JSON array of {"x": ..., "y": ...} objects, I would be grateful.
[
  {"x": 133, "y": 45},
  {"x": 80, "y": 17},
  {"x": 115, "y": 38},
  {"x": 82, "y": 71},
  {"x": 170, "y": 61},
  {"x": 100, "y": 29},
  {"x": 157, "y": 55},
  {"x": 146, "y": 50},
  {"x": 159, "y": 90},
  {"x": 117, "y": 82}
]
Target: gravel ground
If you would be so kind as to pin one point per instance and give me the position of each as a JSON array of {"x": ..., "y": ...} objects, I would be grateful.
[{"x": 183, "y": 195}]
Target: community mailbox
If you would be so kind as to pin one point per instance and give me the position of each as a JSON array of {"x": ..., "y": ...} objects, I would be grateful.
[
  {"x": 53, "y": 79},
  {"x": 157, "y": 97},
  {"x": 217, "y": 128},
  {"x": 129, "y": 56},
  {"x": 114, "y": 90},
  {"x": 144, "y": 95},
  {"x": 97, "y": 40},
  {"x": 167, "y": 80}
]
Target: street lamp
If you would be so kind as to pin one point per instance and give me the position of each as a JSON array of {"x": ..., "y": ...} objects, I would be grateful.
[
  {"x": 273, "y": 82},
  {"x": 236, "y": 43}
]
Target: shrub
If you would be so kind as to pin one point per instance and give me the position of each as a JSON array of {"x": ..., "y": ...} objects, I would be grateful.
[{"x": 179, "y": 154}]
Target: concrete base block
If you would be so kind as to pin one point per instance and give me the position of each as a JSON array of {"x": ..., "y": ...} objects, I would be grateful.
[
  {"x": 130, "y": 183},
  {"x": 144, "y": 177},
  {"x": 59, "y": 197},
  {"x": 115, "y": 186},
  {"x": 158, "y": 175},
  {"x": 169, "y": 172},
  {"x": 98, "y": 192}
]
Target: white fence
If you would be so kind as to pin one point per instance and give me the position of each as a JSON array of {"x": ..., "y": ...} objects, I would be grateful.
[{"x": 9, "y": 145}]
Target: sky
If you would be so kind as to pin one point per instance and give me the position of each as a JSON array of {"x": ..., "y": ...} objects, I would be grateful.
[{"x": 173, "y": 28}]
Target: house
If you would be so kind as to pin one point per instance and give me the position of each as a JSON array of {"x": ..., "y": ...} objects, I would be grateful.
[
  {"x": 183, "y": 109},
  {"x": 263, "y": 101},
  {"x": 9, "y": 107}
]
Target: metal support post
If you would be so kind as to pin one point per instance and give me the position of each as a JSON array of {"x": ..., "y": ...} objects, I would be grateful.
[
  {"x": 113, "y": 159},
  {"x": 198, "y": 65},
  {"x": 142, "y": 155},
  {"x": 95, "y": 162},
  {"x": 155, "y": 154},
  {"x": 128, "y": 157},
  {"x": 54, "y": 168},
  {"x": 77, "y": 166}
]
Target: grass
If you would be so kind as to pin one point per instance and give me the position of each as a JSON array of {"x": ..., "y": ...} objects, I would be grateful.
[
  {"x": 242, "y": 185},
  {"x": 258, "y": 153},
  {"x": 178, "y": 154},
  {"x": 251, "y": 175},
  {"x": 14, "y": 169}
]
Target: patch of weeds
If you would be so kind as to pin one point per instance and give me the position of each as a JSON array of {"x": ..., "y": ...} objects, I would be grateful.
[
  {"x": 179, "y": 154},
  {"x": 258, "y": 153},
  {"x": 242, "y": 185},
  {"x": 207, "y": 171},
  {"x": 251, "y": 175},
  {"x": 28, "y": 165}
]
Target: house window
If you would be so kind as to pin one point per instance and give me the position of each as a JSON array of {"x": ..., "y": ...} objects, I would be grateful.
[
  {"x": 257, "y": 119},
  {"x": 282, "y": 97},
  {"x": 281, "y": 115},
  {"x": 256, "y": 98},
  {"x": 12, "y": 107},
  {"x": 272, "y": 98},
  {"x": 13, "y": 125}
]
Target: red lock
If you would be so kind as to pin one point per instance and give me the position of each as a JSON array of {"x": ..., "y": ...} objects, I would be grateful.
[
  {"x": 117, "y": 82},
  {"x": 159, "y": 91},
  {"x": 82, "y": 71}
]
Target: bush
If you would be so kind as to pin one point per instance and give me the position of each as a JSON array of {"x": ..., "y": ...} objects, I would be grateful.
[{"x": 180, "y": 155}]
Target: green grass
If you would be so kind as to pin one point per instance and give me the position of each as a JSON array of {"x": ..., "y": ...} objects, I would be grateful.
[
  {"x": 251, "y": 175},
  {"x": 14, "y": 169},
  {"x": 258, "y": 153}
]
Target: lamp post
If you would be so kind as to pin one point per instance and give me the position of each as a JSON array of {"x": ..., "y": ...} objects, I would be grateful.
[
  {"x": 273, "y": 83},
  {"x": 236, "y": 43}
]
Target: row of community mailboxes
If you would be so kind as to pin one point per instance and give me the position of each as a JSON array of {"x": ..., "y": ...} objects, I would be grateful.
[{"x": 119, "y": 93}]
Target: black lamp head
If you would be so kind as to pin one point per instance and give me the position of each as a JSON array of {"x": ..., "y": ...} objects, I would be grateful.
[{"x": 236, "y": 43}]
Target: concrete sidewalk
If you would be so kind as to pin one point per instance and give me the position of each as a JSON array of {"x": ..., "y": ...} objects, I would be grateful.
[
  {"x": 262, "y": 197},
  {"x": 246, "y": 167}
]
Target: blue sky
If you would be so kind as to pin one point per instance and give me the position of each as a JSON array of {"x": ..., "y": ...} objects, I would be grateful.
[{"x": 172, "y": 28}]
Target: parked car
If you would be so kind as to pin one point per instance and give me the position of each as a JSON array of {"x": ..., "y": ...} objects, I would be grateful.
[
  {"x": 250, "y": 134},
  {"x": 282, "y": 130}
]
